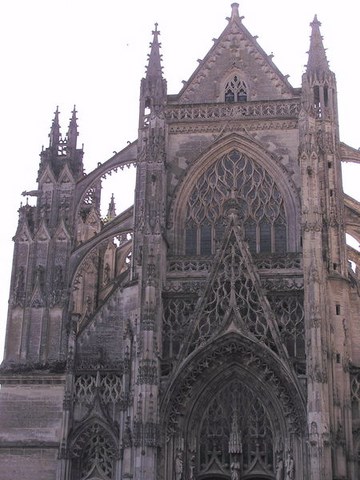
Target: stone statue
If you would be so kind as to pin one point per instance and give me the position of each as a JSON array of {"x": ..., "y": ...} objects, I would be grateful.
[
  {"x": 279, "y": 467},
  {"x": 179, "y": 465},
  {"x": 290, "y": 467},
  {"x": 192, "y": 467}
]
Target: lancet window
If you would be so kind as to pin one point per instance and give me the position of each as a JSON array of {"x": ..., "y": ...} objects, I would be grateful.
[
  {"x": 289, "y": 313},
  {"x": 235, "y": 90},
  {"x": 259, "y": 203},
  {"x": 176, "y": 319}
]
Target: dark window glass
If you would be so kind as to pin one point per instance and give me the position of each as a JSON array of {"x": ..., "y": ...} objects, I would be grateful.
[
  {"x": 280, "y": 238},
  {"x": 250, "y": 235},
  {"x": 265, "y": 236},
  {"x": 191, "y": 241},
  {"x": 205, "y": 240}
]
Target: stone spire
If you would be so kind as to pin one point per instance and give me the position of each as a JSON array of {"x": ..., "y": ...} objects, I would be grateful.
[
  {"x": 153, "y": 86},
  {"x": 73, "y": 130},
  {"x": 154, "y": 68},
  {"x": 54, "y": 134},
  {"x": 317, "y": 62}
]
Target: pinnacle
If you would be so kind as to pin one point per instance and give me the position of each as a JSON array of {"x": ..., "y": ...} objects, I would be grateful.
[
  {"x": 315, "y": 21},
  {"x": 234, "y": 11},
  {"x": 154, "y": 65},
  {"x": 112, "y": 209},
  {"x": 317, "y": 61},
  {"x": 72, "y": 131},
  {"x": 54, "y": 134}
]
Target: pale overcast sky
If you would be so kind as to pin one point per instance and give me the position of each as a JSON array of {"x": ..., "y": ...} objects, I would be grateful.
[{"x": 93, "y": 54}]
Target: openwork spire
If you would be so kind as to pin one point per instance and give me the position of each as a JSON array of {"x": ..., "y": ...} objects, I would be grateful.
[
  {"x": 54, "y": 134},
  {"x": 317, "y": 61}
]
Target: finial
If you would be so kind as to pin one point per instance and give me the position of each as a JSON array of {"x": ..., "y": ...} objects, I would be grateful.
[
  {"x": 315, "y": 22},
  {"x": 154, "y": 68},
  {"x": 234, "y": 10},
  {"x": 317, "y": 61},
  {"x": 72, "y": 131}
]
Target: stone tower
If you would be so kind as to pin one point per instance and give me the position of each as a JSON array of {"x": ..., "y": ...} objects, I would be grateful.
[{"x": 212, "y": 330}]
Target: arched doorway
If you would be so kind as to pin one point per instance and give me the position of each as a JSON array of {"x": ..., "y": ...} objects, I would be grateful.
[
  {"x": 234, "y": 413},
  {"x": 234, "y": 433}
]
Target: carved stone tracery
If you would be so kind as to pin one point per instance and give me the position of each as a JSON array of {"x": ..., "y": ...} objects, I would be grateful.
[
  {"x": 236, "y": 433},
  {"x": 259, "y": 203}
]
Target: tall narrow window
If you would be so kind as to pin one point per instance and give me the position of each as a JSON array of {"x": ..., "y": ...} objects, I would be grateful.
[
  {"x": 250, "y": 234},
  {"x": 317, "y": 103},
  {"x": 191, "y": 240},
  {"x": 280, "y": 235},
  {"x": 235, "y": 90},
  {"x": 265, "y": 236},
  {"x": 205, "y": 243}
]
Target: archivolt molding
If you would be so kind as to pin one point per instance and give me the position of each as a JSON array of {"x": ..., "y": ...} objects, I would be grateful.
[
  {"x": 248, "y": 146},
  {"x": 256, "y": 365}
]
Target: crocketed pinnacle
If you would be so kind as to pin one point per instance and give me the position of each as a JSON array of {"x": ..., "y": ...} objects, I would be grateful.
[
  {"x": 112, "y": 209},
  {"x": 234, "y": 11},
  {"x": 54, "y": 134},
  {"x": 73, "y": 130},
  {"x": 317, "y": 61},
  {"x": 154, "y": 69}
]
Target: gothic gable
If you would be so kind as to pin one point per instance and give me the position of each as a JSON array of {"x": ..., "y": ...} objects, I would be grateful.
[
  {"x": 66, "y": 177},
  {"x": 236, "y": 69},
  {"x": 233, "y": 299}
]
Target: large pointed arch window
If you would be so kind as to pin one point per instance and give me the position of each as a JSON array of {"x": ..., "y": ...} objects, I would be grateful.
[
  {"x": 259, "y": 203},
  {"x": 235, "y": 90}
]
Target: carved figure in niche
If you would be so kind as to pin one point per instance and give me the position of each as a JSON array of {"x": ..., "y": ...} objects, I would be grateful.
[
  {"x": 20, "y": 285},
  {"x": 58, "y": 278},
  {"x": 279, "y": 467},
  {"x": 290, "y": 467},
  {"x": 179, "y": 465},
  {"x": 192, "y": 466},
  {"x": 106, "y": 274},
  {"x": 314, "y": 436},
  {"x": 39, "y": 274},
  {"x": 58, "y": 285},
  {"x": 235, "y": 470}
]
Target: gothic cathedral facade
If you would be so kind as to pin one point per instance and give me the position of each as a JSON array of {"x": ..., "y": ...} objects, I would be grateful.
[{"x": 212, "y": 330}]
